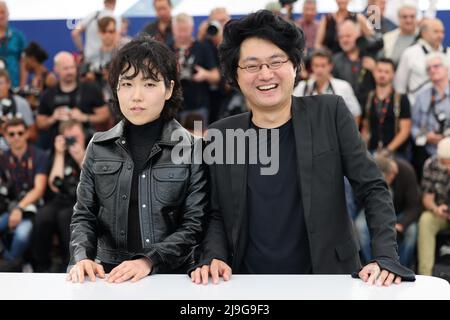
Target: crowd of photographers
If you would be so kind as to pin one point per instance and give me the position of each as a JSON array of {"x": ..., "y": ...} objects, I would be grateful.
[{"x": 394, "y": 77}]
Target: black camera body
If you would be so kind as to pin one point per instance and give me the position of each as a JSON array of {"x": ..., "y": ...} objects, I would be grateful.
[
  {"x": 68, "y": 184},
  {"x": 70, "y": 141},
  {"x": 27, "y": 92},
  {"x": 442, "y": 121},
  {"x": 187, "y": 68},
  {"x": 6, "y": 106},
  {"x": 213, "y": 28},
  {"x": 369, "y": 46}
]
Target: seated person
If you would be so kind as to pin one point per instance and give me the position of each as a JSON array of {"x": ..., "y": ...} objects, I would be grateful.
[
  {"x": 64, "y": 175},
  {"x": 23, "y": 168},
  {"x": 436, "y": 201},
  {"x": 402, "y": 182}
]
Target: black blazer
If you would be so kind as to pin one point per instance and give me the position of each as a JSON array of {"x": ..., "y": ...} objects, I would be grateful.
[{"x": 329, "y": 147}]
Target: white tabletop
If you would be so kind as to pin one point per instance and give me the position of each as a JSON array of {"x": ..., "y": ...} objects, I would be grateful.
[{"x": 240, "y": 287}]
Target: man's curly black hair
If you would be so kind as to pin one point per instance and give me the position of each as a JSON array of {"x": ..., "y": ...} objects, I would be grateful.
[
  {"x": 265, "y": 25},
  {"x": 152, "y": 58}
]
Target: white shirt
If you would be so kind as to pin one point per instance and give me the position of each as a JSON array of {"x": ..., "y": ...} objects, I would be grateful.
[
  {"x": 335, "y": 86},
  {"x": 411, "y": 74}
]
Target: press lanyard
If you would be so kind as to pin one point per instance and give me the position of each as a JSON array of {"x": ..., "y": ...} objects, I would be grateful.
[{"x": 381, "y": 109}]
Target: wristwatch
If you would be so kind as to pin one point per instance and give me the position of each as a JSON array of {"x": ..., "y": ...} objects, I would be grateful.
[{"x": 20, "y": 208}]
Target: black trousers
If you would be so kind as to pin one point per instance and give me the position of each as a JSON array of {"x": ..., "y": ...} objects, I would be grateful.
[{"x": 53, "y": 217}]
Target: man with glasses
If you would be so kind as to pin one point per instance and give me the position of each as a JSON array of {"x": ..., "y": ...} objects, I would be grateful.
[
  {"x": 23, "y": 177},
  {"x": 431, "y": 112},
  {"x": 411, "y": 75},
  {"x": 396, "y": 41},
  {"x": 93, "y": 66},
  {"x": 89, "y": 26},
  {"x": 293, "y": 220}
]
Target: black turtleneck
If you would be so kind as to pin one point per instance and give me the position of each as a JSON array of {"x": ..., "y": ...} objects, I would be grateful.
[{"x": 140, "y": 140}]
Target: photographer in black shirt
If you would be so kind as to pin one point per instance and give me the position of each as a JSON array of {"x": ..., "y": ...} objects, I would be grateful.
[{"x": 69, "y": 150}]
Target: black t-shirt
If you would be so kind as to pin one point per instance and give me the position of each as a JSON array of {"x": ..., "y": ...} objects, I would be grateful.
[
  {"x": 277, "y": 237},
  {"x": 86, "y": 97},
  {"x": 353, "y": 72},
  {"x": 195, "y": 94},
  {"x": 166, "y": 36},
  {"x": 382, "y": 121}
]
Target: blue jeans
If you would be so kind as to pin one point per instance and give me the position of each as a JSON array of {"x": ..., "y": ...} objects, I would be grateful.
[
  {"x": 21, "y": 237},
  {"x": 405, "y": 248}
]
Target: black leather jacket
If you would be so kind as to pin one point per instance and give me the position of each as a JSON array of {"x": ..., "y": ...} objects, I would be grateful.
[{"x": 172, "y": 202}]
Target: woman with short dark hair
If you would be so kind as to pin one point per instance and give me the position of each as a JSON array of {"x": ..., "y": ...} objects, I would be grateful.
[{"x": 138, "y": 211}]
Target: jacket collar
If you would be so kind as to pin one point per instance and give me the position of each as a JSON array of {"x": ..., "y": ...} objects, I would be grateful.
[{"x": 117, "y": 132}]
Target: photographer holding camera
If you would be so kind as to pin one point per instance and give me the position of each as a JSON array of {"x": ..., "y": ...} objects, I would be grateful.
[
  {"x": 355, "y": 62},
  {"x": 25, "y": 167},
  {"x": 197, "y": 66},
  {"x": 210, "y": 33},
  {"x": 34, "y": 58},
  {"x": 70, "y": 99},
  {"x": 93, "y": 66},
  {"x": 12, "y": 105},
  {"x": 431, "y": 111},
  {"x": 436, "y": 201},
  {"x": 69, "y": 150}
]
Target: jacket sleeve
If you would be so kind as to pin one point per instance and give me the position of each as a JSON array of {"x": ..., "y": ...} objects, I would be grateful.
[
  {"x": 368, "y": 185},
  {"x": 83, "y": 233},
  {"x": 412, "y": 205},
  {"x": 371, "y": 190},
  {"x": 179, "y": 246},
  {"x": 214, "y": 244}
]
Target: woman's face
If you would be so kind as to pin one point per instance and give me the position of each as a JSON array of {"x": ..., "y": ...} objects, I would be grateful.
[
  {"x": 142, "y": 100},
  {"x": 342, "y": 4}
]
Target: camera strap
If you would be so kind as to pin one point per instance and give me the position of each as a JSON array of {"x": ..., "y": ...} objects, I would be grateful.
[
  {"x": 78, "y": 96},
  {"x": 426, "y": 51},
  {"x": 432, "y": 108},
  {"x": 309, "y": 89},
  {"x": 381, "y": 110}
]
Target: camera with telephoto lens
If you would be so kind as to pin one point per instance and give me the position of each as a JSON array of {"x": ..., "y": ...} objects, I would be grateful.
[
  {"x": 213, "y": 28},
  {"x": 6, "y": 106},
  {"x": 442, "y": 121}
]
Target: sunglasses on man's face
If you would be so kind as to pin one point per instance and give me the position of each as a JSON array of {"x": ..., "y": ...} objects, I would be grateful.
[{"x": 18, "y": 133}]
